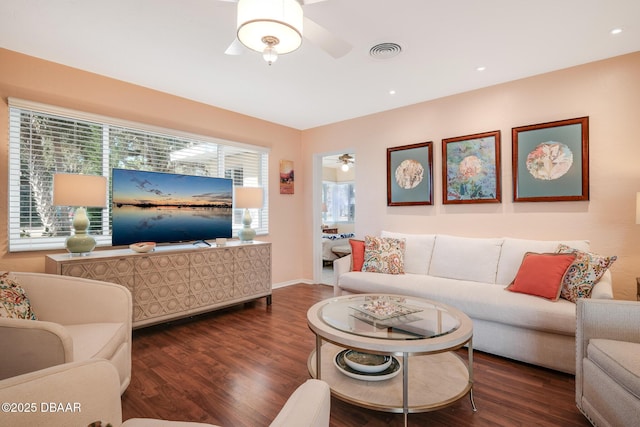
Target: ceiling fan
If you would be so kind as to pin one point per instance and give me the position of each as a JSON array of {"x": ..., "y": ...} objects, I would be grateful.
[
  {"x": 275, "y": 27},
  {"x": 346, "y": 160}
]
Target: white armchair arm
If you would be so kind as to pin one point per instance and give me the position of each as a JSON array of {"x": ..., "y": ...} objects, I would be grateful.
[
  {"x": 340, "y": 266},
  {"x": 20, "y": 337},
  {"x": 608, "y": 319}
]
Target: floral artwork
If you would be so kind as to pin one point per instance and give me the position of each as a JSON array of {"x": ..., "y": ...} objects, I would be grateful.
[
  {"x": 551, "y": 161},
  {"x": 471, "y": 171},
  {"x": 409, "y": 175}
]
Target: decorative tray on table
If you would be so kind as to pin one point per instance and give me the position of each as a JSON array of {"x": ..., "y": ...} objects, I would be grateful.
[{"x": 385, "y": 308}]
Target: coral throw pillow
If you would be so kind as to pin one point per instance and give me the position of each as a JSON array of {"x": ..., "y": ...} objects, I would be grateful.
[
  {"x": 14, "y": 303},
  {"x": 584, "y": 273},
  {"x": 542, "y": 274},
  {"x": 357, "y": 254},
  {"x": 384, "y": 255}
]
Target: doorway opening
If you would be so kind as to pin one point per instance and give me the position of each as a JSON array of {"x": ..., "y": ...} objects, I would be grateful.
[{"x": 336, "y": 196}]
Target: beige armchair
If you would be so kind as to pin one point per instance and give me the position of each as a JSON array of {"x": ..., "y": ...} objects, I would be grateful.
[
  {"x": 78, "y": 319},
  {"x": 608, "y": 361},
  {"x": 89, "y": 391}
]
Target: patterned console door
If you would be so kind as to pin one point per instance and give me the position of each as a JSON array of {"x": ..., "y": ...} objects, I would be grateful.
[
  {"x": 252, "y": 270},
  {"x": 120, "y": 271},
  {"x": 162, "y": 285},
  {"x": 211, "y": 275}
]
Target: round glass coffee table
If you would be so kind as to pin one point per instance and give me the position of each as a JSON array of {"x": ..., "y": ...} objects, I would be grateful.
[{"x": 419, "y": 335}]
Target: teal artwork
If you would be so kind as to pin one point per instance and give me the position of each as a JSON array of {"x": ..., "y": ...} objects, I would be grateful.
[{"x": 472, "y": 173}]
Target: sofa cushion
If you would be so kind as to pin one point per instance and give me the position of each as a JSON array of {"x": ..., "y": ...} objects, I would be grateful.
[
  {"x": 513, "y": 251},
  {"x": 542, "y": 274},
  {"x": 482, "y": 301},
  {"x": 584, "y": 273},
  {"x": 357, "y": 254},
  {"x": 14, "y": 302},
  {"x": 618, "y": 359},
  {"x": 383, "y": 255},
  {"x": 465, "y": 258},
  {"x": 417, "y": 252}
]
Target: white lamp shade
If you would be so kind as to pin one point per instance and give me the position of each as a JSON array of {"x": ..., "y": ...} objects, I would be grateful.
[
  {"x": 276, "y": 18},
  {"x": 79, "y": 190},
  {"x": 248, "y": 197}
]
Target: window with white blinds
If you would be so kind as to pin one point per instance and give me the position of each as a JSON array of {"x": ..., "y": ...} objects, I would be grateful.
[{"x": 45, "y": 140}]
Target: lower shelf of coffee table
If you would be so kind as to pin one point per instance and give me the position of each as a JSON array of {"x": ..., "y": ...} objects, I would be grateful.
[{"x": 435, "y": 381}]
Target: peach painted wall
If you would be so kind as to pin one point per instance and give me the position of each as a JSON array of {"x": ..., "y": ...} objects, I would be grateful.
[
  {"x": 607, "y": 91},
  {"x": 46, "y": 82}
]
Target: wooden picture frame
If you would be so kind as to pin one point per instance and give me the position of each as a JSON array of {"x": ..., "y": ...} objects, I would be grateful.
[
  {"x": 471, "y": 169},
  {"x": 551, "y": 161},
  {"x": 410, "y": 175}
]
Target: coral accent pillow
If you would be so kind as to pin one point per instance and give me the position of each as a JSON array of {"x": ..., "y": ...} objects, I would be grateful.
[
  {"x": 357, "y": 254},
  {"x": 14, "y": 303},
  {"x": 383, "y": 255},
  {"x": 542, "y": 274},
  {"x": 584, "y": 273}
]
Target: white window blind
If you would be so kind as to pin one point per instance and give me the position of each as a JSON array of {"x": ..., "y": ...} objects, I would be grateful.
[{"x": 45, "y": 140}]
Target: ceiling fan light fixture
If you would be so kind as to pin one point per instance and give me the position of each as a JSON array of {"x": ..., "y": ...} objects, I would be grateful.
[
  {"x": 345, "y": 167},
  {"x": 260, "y": 20},
  {"x": 270, "y": 54}
]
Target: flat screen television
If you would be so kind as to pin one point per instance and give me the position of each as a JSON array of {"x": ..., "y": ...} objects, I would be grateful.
[{"x": 166, "y": 207}]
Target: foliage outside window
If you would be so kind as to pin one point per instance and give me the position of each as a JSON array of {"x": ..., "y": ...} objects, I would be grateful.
[
  {"x": 338, "y": 202},
  {"x": 46, "y": 140}
]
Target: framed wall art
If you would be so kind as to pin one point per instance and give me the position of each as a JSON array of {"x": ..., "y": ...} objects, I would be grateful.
[
  {"x": 471, "y": 169},
  {"x": 409, "y": 175},
  {"x": 286, "y": 177},
  {"x": 551, "y": 161}
]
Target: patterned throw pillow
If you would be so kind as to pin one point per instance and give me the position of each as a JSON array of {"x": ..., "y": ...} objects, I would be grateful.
[
  {"x": 383, "y": 255},
  {"x": 584, "y": 273},
  {"x": 13, "y": 300}
]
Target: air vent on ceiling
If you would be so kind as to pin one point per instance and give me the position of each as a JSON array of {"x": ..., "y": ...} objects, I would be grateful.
[{"x": 385, "y": 50}]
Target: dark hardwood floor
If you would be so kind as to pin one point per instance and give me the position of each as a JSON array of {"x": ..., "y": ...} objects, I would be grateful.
[{"x": 238, "y": 366}]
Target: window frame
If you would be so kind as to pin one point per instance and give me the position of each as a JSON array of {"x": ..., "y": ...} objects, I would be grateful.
[{"x": 17, "y": 106}]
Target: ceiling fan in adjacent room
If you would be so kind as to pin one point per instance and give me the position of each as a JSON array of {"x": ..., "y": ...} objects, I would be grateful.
[
  {"x": 346, "y": 160},
  {"x": 276, "y": 27}
]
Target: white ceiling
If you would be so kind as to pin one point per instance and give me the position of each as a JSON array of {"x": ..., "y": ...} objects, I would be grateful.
[{"x": 177, "y": 46}]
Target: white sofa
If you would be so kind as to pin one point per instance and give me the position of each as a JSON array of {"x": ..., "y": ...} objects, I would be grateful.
[
  {"x": 82, "y": 393},
  {"x": 78, "y": 319},
  {"x": 471, "y": 274}
]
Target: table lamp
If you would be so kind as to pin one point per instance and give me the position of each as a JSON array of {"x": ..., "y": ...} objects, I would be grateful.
[
  {"x": 247, "y": 198},
  {"x": 80, "y": 191}
]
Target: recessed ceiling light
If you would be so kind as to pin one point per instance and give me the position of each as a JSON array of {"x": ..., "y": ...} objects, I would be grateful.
[
  {"x": 481, "y": 68},
  {"x": 616, "y": 31},
  {"x": 392, "y": 92}
]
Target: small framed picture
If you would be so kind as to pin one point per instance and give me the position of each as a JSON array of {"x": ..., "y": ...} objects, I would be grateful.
[
  {"x": 551, "y": 161},
  {"x": 471, "y": 169},
  {"x": 409, "y": 175},
  {"x": 286, "y": 177}
]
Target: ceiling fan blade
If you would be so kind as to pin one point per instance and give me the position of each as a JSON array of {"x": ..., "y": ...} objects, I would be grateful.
[
  {"x": 322, "y": 38},
  {"x": 235, "y": 48}
]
